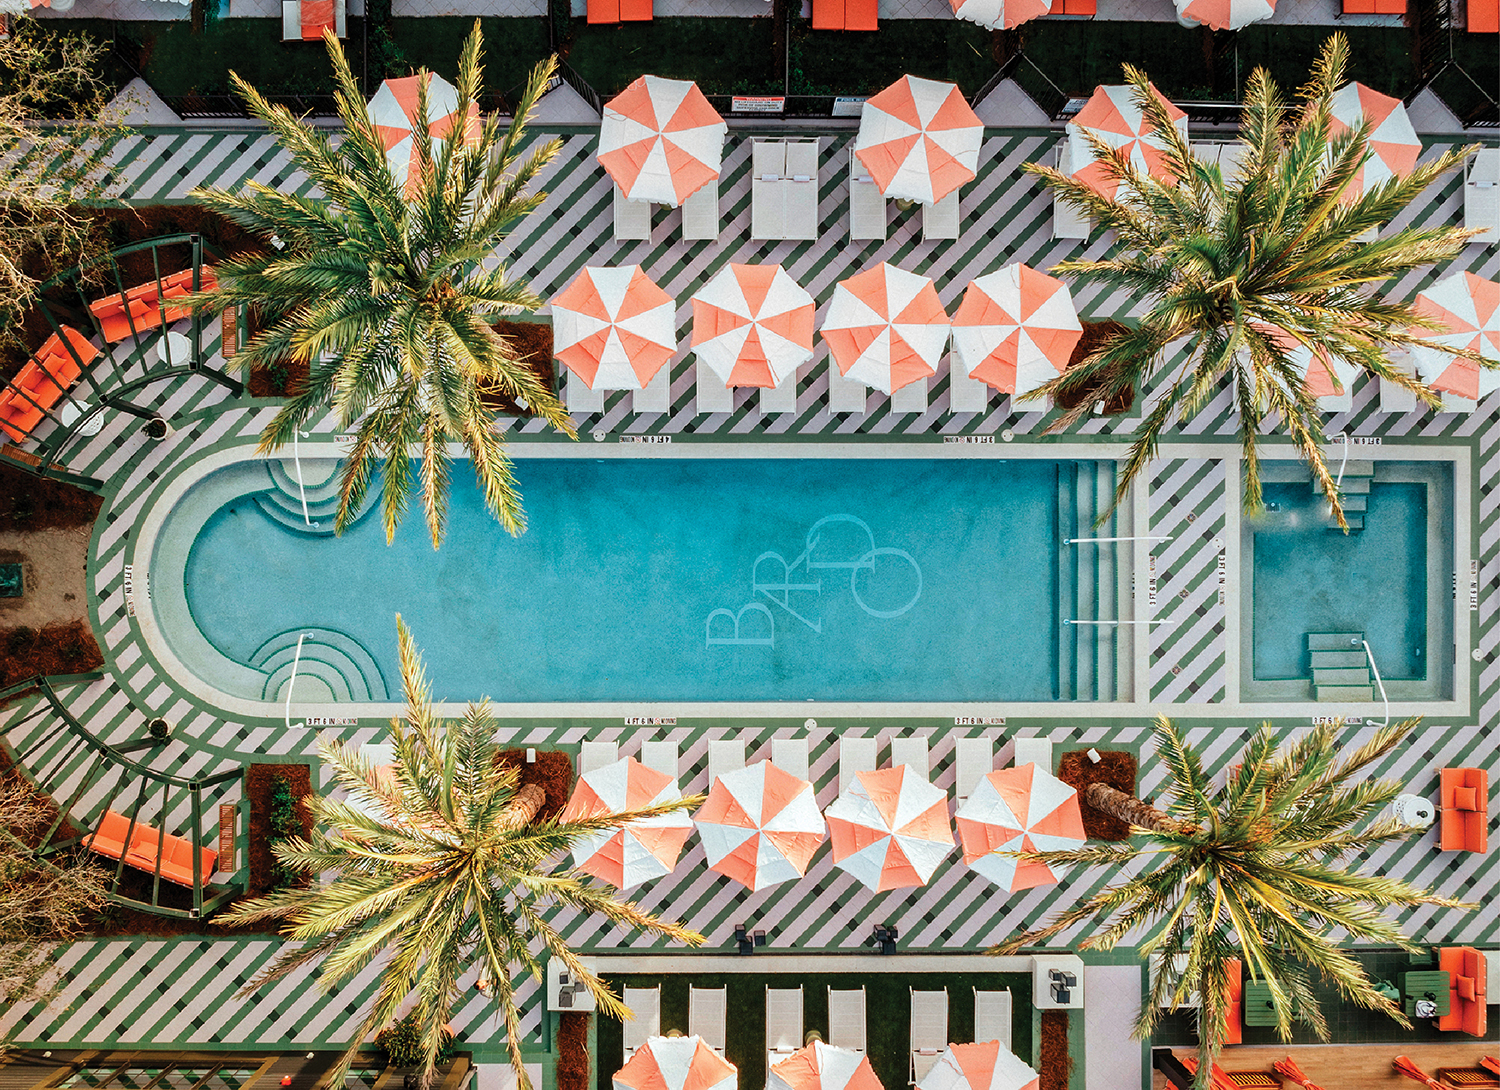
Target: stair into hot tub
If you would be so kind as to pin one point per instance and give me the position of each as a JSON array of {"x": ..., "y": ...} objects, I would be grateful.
[{"x": 1340, "y": 667}]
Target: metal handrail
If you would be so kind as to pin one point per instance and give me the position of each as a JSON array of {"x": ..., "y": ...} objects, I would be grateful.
[{"x": 1370, "y": 657}]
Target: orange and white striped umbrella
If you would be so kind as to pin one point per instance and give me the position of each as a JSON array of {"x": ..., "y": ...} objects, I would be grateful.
[
  {"x": 640, "y": 850},
  {"x": 760, "y": 825},
  {"x": 890, "y": 828},
  {"x": 676, "y": 1063},
  {"x": 614, "y": 327},
  {"x": 987, "y": 1065},
  {"x": 1023, "y": 809},
  {"x": 393, "y": 108},
  {"x": 823, "y": 1067},
  {"x": 1393, "y": 140},
  {"x": 1469, "y": 308},
  {"x": 1016, "y": 329},
  {"x": 886, "y": 327},
  {"x": 753, "y": 325},
  {"x": 919, "y": 140},
  {"x": 661, "y": 141},
  {"x": 1000, "y": 14},
  {"x": 1112, "y": 115},
  {"x": 1226, "y": 14}
]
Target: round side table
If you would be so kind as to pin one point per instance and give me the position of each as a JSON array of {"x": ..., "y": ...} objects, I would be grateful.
[{"x": 1414, "y": 810}]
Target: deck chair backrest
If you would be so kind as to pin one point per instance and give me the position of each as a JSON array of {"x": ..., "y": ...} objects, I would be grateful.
[
  {"x": 783, "y": 1019},
  {"x": 645, "y": 1006},
  {"x": 724, "y": 757},
  {"x": 846, "y": 1018},
  {"x": 992, "y": 1017},
  {"x": 973, "y": 759},
  {"x": 707, "y": 1015},
  {"x": 929, "y": 1020}
]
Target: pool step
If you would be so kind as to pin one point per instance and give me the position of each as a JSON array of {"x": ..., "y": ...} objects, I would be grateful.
[
  {"x": 1088, "y": 576},
  {"x": 283, "y": 503},
  {"x": 1354, "y": 493},
  {"x": 339, "y": 662},
  {"x": 1330, "y": 660},
  {"x": 1340, "y": 667},
  {"x": 1342, "y": 694}
]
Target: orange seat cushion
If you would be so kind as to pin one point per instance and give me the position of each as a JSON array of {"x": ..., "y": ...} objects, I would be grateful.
[
  {"x": 861, "y": 15},
  {"x": 1484, "y": 16},
  {"x": 604, "y": 11},
  {"x": 828, "y": 14},
  {"x": 316, "y": 14}
]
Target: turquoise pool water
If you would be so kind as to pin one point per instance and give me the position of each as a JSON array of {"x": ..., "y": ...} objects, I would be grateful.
[{"x": 677, "y": 579}]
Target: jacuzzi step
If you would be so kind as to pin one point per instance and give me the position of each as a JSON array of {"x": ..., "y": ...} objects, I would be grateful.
[
  {"x": 1341, "y": 694},
  {"x": 1350, "y": 485},
  {"x": 1355, "y": 504},
  {"x": 1341, "y": 676},
  {"x": 1333, "y": 660},
  {"x": 1335, "y": 641}
]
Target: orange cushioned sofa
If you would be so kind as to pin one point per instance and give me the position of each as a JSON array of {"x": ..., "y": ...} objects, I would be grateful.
[
  {"x": 1464, "y": 810},
  {"x": 1466, "y": 968},
  {"x": 140, "y": 852},
  {"x": 142, "y": 308},
  {"x": 40, "y": 384}
]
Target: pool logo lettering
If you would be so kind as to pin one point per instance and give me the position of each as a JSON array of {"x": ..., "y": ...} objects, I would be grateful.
[{"x": 793, "y": 589}]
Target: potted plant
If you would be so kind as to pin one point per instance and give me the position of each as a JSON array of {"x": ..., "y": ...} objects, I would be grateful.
[{"x": 159, "y": 728}]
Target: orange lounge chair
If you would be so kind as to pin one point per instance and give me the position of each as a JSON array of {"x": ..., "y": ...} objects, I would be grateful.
[
  {"x": 1084, "y": 8},
  {"x": 828, "y": 14},
  {"x": 316, "y": 16},
  {"x": 1464, "y": 810},
  {"x": 143, "y": 307},
  {"x": 604, "y": 11},
  {"x": 41, "y": 383},
  {"x": 861, "y": 15},
  {"x": 1467, "y": 994},
  {"x": 1484, "y": 16},
  {"x": 1233, "y": 1017},
  {"x": 176, "y": 851}
]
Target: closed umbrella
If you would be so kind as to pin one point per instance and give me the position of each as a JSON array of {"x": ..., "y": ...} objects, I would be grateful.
[
  {"x": 919, "y": 139},
  {"x": 393, "y": 109},
  {"x": 1288, "y": 1068},
  {"x": 988, "y": 1065},
  {"x": 1403, "y": 1065},
  {"x": 1019, "y": 809},
  {"x": 1394, "y": 145},
  {"x": 823, "y": 1067},
  {"x": 886, "y": 327},
  {"x": 890, "y": 828},
  {"x": 1468, "y": 307},
  {"x": 760, "y": 825},
  {"x": 614, "y": 327},
  {"x": 1016, "y": 329},
  {"x": 1226, "y": 14},
  {"x": 661, "y": 141},
  {"x": 676, "y": 1063},
  {"x": 640, "y": 850},
  {"x": 753, "y": 325},
  {"x": 1112, "y": 115}
]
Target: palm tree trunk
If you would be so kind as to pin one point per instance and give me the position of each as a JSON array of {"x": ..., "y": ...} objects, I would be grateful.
[
  {"x": 524, "y": 808},
  {"x": 1132, "y": 811}
]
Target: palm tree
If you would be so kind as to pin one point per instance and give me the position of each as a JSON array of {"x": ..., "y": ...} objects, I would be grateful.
[
  {"x": 389, "y": 296},
  {"x": 439, "y": 866},
  {"x": 1247, "y": 271},
  {"x": 1258, "y": 870}
]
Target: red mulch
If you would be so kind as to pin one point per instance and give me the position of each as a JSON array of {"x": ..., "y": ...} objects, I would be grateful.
[
  {"x": 1094, "y": 335},
  {"x": 573, "y": 1068},
  {"x": 29, "y": 502},
  {"x": 532, "y": 342},
  {"x": 1115, "y": 768},
  {"x": 552, "y": 772},
  {"x": 1056, "y": 1063},
  {"x": 258, "y": 779},
  {"x": 53, "y": 649}
]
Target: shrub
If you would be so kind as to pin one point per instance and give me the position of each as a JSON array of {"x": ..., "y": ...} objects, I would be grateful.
[
  {"x": 284, "y": 823},
  {"x": 402, "y": 1043}
]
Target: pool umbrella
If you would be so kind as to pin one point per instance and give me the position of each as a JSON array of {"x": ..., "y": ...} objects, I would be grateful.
[
  {"x": 1112, "y": 115},
  {"x": 1019, "y": 809},
  {"x": 890, "y": 828},
  {"x": 1393, "y": 141},
  {"x": 753, "y": 325},
  {"x": 1000, "y": 14},
  {"x": 886, "y": 327},
  {"x": 1016, "y": 328},
  {"x": 640, "y": 850},
  {"x": 988, "y": 1065},
  {"x": 393, "y": 108},
  {"x": 661, "y": 141},
  {"x": 614, "y": 327},
  {"x": 823, "y": 1067},
  {"x": 919, "y": 140},
  {"x": 1226, "y": 14},
  {"x": 676, "y": 1063},
  {"x": 1403, "y": 1066},
  {"x": 1468, "y": 307},
  {"x": 760, "y": 825},
  {"x": 1288, "y": 1068}
]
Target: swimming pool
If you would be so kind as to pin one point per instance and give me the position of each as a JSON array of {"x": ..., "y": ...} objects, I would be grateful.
[{"x": 654, "y": 580}]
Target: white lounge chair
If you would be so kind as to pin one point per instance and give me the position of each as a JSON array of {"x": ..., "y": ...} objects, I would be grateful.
[
  {"x": 911, "y": 398},
  {"x": 965, "y": 394},
  {"x": 1228, "y": 156},
  {"x": 767, "y": 203},
  {"x": 910, "y": 751},
  {"x": 929, "y": 1031},
  {"x": 866, "y": 203},
  {"x": 973, "y": 760},
  {"x": 856, "y": 755},
  {"x": 992, "y": 1017},
  {"x": 580, "y": 398},
  {"x": 1067, "y": 221},
  {"x": 846, "y": 1018},
  {"x": 1034, "y": 751},
  {"x": 724, "y": 757},
  {"x": 645, "y": 1006},
  {"x": 1482, "y": 195},
  {"x": 707, "y": 1015},
  {"x": 1398, "y": 399},
  {"x": 799, "y": 191},
  {"x": 656, "y": 395},
  {"x": 940, "y": 220},
  {"x": 845, "y": 395},
  {"x": 712, "y": 396},
  {"x": 661, "y": 756},
  {"x": 595, "y": 755},
  {"x": 632, "y": 219},
  {"x": 780, "y": 399},
  {"x": 783, "y": 1023},
  {"x": 790, "y": 755},
  {"x": 700, "y": 213}
]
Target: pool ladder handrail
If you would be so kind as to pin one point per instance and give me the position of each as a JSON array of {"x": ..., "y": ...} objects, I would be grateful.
[
  {"x": 1370, "y": 658},
  {"x": 1104, "y": 540},
  {"x": 292, "y": 684},
  {"x": 301, "y": 486}
]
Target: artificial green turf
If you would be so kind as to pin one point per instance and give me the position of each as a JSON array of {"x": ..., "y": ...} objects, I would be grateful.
[
  {"x": 511, "y": 46},
  {"x": 846, "y": 62},
  {"x": 725, "y": 56},
  {"x": 887, "y": 1015}
]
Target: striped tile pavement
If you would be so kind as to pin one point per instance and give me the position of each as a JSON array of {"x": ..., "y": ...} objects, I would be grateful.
[{"x": 184, "y": 990}]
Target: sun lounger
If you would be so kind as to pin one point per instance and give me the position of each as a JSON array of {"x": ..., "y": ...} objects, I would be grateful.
[
  {"x": 711, "y": 396},
  {"x": 767, "y": 208},
  {"x": 845, "y": 395},
  {"x": 595, "y": 755},
  {"x": 846, "y": 1018},
  {"x": 1457, "y": 403},
  {"x": 910, "y": 751},
  {"x": 973, "y": 759},
  {"x": 992, "y": 1017},
  {"x": 632, "y": 219},
  {"x": 1482, "y": 195},
  {"x": 1397, "y": 399},
  {"x": 866, "y": 203},
  {"x": 1034, "y": 751},
  {"x": 724, "y": 757},
  {"x": 940, "y": 220},
  {"x": 660, "y": 755},
  {"x": 856, "y": 755},
  {"x": 783, "y": 1023},
  {"x": 645, "y": 1006},
  {"x": 799, "y": 191},
  {"x": 790, "y": 755},
  {"x": 700, "y": 213},
  {"x": 1067, "y": 221},
  {"x": 580, "y": 398},
  {"x": 965, "y": 394},
  {"x": 781, "y": 398},
  {"x": 911, "y": 398},
  {"x": 707, "y": 1015},
  {"x": 929, "y": 1031},
  {"x": 656, "y": 396}
]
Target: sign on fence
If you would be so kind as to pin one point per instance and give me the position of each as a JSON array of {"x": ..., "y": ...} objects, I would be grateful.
[
  {"x": 758, "y": 104},
  {"x": 848, "y": 107}
]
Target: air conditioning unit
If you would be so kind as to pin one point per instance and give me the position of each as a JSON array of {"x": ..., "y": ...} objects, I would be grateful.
[{"x": 564, "y": 991}]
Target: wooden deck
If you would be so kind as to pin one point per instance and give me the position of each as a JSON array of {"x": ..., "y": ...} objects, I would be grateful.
[{"x": 1349, "y": 1067}]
